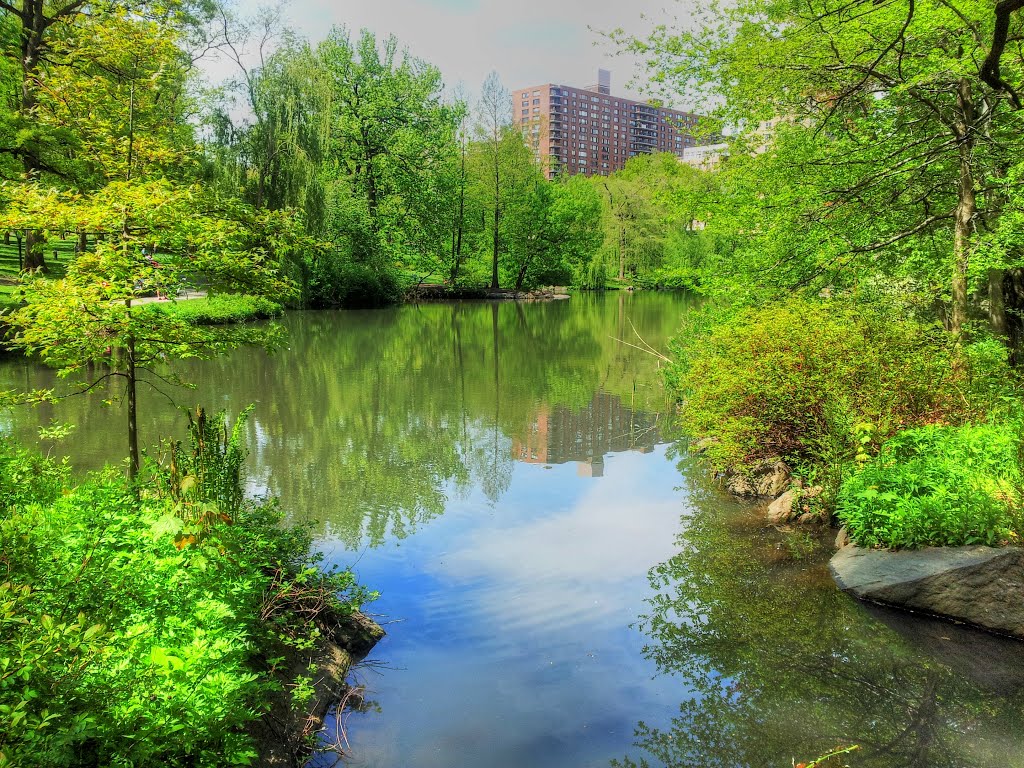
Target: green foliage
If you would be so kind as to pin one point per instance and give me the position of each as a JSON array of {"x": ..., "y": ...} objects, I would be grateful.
[
  {"x": 796, "y": 378},
  {"x": 336, "y": 281},
  {"x": 651, "y": 211},
  {"x": 866, "y": 143},
  {"x": 211, "y": 471},
  {"x": 126, "y": 642},
  {"x": 219, "y": 309},
  {"x": 936, "y": 486}
]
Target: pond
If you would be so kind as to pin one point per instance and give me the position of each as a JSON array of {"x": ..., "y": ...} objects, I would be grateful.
[{"x": 561, "y": 583}]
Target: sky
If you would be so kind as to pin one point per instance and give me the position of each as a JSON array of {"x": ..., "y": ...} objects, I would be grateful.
[{"x": 528, "y": 42}]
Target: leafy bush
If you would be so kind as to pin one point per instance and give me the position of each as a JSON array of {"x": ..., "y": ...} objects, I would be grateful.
[
  {"x": 220, "y": 309},
  {"x": 134, "y": 632},
  {"x": 804, "y": 379},
  {"x": 935, "y": 486},
  {"x": 337, "y": 281}
]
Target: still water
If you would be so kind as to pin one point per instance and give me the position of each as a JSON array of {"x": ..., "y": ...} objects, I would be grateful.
[{"x": 561, "y": 583}]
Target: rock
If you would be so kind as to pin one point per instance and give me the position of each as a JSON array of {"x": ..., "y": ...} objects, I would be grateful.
[
  {"x": 842, "y": 538},
  {"x": 739, "y": 485},
  {"x": 781, "y": 510},
  {"x": 807, "y": 518},
  {"x": 812, "y": 493},
  {"x": 771, "y": 479},
  {"x": 768, "y": 479},
  {"x": 978, "y": 585}
]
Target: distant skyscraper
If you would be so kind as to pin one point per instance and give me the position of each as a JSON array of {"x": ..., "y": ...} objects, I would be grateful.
[{"x": 589, "y": 131}]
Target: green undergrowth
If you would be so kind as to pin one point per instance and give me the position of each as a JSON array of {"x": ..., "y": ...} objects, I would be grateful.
[
  {"x": 937, "y": 486},
  {"x": 220, "y": 309},
  {"x": 817, "y": 382},
  {"x": 141, "y": 627}
]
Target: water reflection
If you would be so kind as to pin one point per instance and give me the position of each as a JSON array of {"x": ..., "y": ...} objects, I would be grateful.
[
  {"x": 776, "y": 664},
  {"x": 369, "y": 423}
]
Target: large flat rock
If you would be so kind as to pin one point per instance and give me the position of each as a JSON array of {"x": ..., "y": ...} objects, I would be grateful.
[{"x": 979, "y": 585}]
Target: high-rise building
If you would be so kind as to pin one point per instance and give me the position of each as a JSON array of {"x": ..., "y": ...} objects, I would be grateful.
[{"x": 589, "y": 131}]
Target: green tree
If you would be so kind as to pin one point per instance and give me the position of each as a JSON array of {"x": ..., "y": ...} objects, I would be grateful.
[
  {"x": 157, "y": 235},
  {"x": 873, "y": 144}
]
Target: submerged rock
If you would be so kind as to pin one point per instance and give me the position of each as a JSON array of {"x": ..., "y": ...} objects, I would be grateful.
[{"x": 978, "y": 585}]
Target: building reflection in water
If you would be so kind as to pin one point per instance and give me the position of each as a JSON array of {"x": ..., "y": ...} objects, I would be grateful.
[{"x": 561, "y": 434}]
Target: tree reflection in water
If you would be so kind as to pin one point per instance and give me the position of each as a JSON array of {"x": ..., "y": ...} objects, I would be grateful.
[{"x": 777, "y": 665}]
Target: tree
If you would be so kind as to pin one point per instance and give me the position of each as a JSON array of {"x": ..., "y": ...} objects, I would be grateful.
[
  {"x": 157, "y": 235},
  {"x": 54, "y": 43},
  {"x": 494, "y": 125},
  {"x": 876, "y": 142}
]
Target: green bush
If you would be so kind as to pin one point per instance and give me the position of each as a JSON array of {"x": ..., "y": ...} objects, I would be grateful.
[
  {"x": 807, "y": 380},
  {"x": 137, "y": 627},
  {"x": 219, "y": 309},
  {"x": 337, "y": 281},
  {"x": 935, "y": 486}
]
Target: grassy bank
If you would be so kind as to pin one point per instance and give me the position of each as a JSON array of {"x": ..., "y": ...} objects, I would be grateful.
[
  {"x": 220, "y": 309},
  {"x": 913, "y": 437},
  {"x": 144, "y": 626}
]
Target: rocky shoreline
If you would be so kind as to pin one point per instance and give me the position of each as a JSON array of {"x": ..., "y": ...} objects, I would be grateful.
[
  {"x": 438, "y": 292},
  {"x": 976, "y": 585}
]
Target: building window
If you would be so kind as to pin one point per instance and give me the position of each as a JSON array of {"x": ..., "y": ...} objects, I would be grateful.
[{"x": 536, "y": 101}]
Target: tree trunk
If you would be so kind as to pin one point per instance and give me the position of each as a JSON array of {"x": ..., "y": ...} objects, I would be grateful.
[
  {"x": 496, "y": 239},
  {"x": 34, "y": 258},
  {"x": 1013, "y": 302},
  {"x": 457, "y": 251},
  {"x": 494, "y": 250},
  {"x": 996, "y": 302},
  {"x": 622, "y": 253},
  {"x": 133, "y": 423},
  {"x": 965, "y": 211}
]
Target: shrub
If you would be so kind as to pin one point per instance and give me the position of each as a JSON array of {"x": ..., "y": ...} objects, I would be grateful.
[
  {"x": 805, "y": 379},
  {"x": 136, "y": 632},
  {"x": 337, "y": 281},
  {"x": 935, "y": 486}
]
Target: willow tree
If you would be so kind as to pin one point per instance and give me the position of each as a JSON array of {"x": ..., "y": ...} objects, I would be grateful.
[
  {"x": 870, "y": 141},
  {"x": 157, "y": 236}
]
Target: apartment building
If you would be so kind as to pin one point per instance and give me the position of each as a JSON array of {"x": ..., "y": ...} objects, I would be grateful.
[{"x": 589, "y": 131}]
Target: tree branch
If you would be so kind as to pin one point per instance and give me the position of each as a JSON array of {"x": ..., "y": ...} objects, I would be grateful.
[{"x": 989, "y": 72}]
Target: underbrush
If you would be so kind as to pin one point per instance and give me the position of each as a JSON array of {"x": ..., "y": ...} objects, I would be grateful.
[
  {"x": 220, "y": 309},
  {"x": 936, "y": 486},
  {"x": 818, "y": 382},
  {"x": 140, "y": 626},
  {"x": 339, "y": 282}
]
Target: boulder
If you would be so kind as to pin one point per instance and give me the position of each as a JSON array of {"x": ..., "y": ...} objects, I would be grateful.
[
  {"x": 978, "y": 585},
  {"x": 781, "y": 510},
  {"x": 772, "y": 478},
  {"x": 768, "y": 479},
  {"x": 842, "y": 538}
]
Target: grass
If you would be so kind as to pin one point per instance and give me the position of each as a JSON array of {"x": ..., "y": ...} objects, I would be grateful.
[
  {"x": 10, "y": 265},
  {"x": 221, "y": 309}
]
